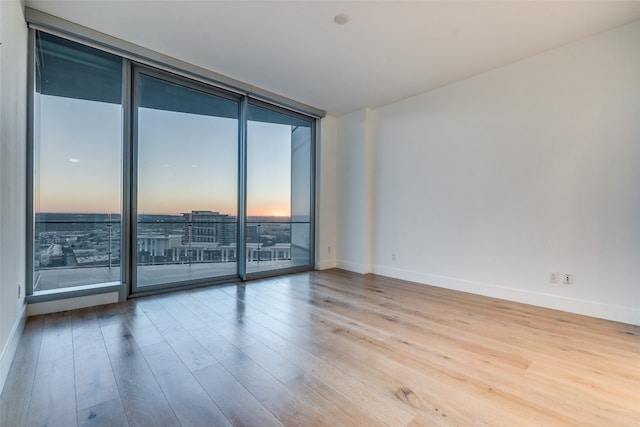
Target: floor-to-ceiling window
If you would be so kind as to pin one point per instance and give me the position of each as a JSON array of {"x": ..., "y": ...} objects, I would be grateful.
[
  {"x": 150, "y": 179},
  {"x": 279, "y": 196},
  {"x": 77, "y": 158},
  {"x": 186, "y": 162}
]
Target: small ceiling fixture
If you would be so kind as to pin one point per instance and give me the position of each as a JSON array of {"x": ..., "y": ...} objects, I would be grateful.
[{"x": 341, "y": 19}]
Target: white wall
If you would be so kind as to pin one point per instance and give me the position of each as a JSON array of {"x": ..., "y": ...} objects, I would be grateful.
[
  {"x": 13, "y": 110},
  {"x": 354, "y": 191},
  {"x": 490, "y": 184},
  {"x": 326, "y": 194}
]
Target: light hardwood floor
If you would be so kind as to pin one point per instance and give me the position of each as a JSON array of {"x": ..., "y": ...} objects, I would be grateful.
[{"x": 323, "y": 348}]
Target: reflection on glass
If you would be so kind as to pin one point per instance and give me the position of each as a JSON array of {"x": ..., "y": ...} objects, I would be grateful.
[
  {"x": 77, "y": 165},
  {"x": 187, "y": 181},
  {"x": 278, "y": 190}
]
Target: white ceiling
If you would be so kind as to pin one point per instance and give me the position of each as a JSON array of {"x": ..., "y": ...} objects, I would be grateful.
[{"x": 388, "y": 50}]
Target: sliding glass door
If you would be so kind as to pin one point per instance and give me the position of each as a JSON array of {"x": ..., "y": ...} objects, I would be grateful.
[
  {"x": 186, "y": 158},
  {"x": 279, "y": 189}
]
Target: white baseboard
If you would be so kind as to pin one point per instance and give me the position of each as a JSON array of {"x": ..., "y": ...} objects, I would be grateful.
[
  {"x": 563, "y": 303},
  {"x": 9, "y": 351},
  {"x": 71, "y": 303},
  {"x": 325, "y": 264},
  {"x": 353, "y": 266}
]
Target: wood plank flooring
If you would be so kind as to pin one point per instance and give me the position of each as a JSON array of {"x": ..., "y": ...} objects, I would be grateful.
[{"x": 327, "y": 348}]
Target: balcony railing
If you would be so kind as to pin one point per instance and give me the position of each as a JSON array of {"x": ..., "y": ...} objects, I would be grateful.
[{"x": 70, "y": 253}]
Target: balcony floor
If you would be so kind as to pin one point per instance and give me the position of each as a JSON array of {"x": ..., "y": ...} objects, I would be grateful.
[{"x": 60, "y": 278}]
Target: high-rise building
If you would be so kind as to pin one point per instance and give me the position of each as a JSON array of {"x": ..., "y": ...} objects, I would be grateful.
[{"x": 210, "y": 227}]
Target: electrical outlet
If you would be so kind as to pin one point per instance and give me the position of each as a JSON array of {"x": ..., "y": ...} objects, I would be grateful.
[
  {"x": 567, "y": 279},
  {"x": 393, "y": 257},
  {"x": 329, "y": 249},
  {"x": 553, "y": 277},
  {"x": 19, "y": 290}
]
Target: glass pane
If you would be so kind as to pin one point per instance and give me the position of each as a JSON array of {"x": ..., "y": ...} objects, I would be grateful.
[
  {"x": 77, "y": 165},
  {"x": 187, "y": 201},
  {"x": 301, "y": 195},
  {"x": 278, "y": 190}
]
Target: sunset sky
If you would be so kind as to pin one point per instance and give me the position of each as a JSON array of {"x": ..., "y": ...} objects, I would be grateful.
[{"x": 186, "y": 161}]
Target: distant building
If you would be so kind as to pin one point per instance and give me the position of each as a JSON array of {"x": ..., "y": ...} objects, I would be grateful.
[
  {"x": 53, "y": 256},
  {"x": 276, "y": 252},
  {"x": 153, "y": 247},
  {"x": 210, "y": 227}
]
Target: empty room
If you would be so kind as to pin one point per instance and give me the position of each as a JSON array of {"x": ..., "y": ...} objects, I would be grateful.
[{"x": 319, "y": 213}]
